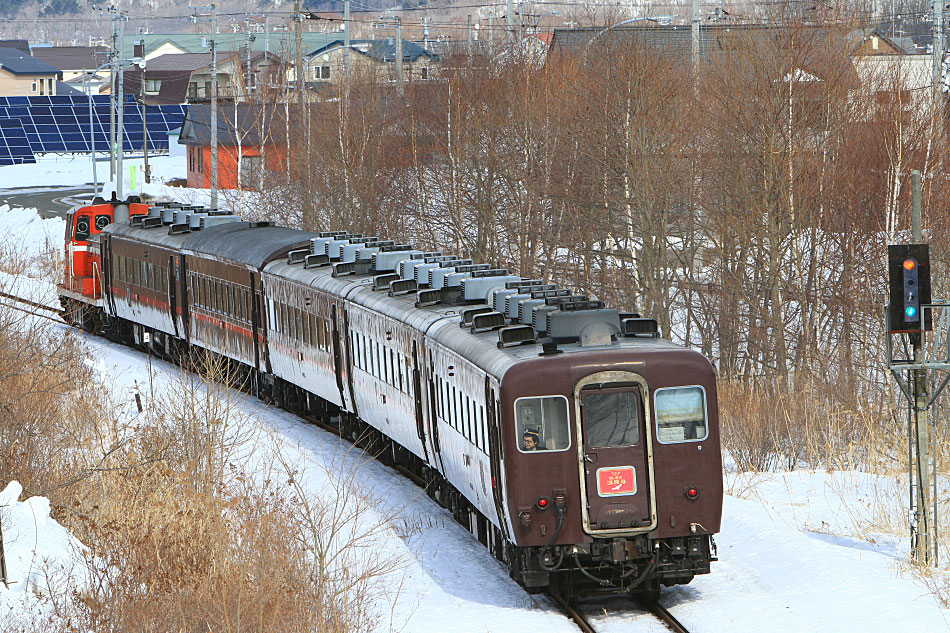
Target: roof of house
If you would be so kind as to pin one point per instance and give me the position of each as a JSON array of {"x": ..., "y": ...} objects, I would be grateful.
[
  {"x": 72, "y": 57},
  {"x": 14, "y": 61},
  {"x": 249, "y": 122},
  {"x": 63, "y": 88},
  {"x": 381, "y": 50},
  {"x": 714, "y": 39},
  {"x": 188, "y": 62},
  {"x": 279, "y": 43},
  {"x": 904, "y": 44},
  {"x": 21, "y": 45}
]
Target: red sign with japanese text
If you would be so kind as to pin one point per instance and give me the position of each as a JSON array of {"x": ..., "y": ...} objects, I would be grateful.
[{"x": 616, "y": 480}]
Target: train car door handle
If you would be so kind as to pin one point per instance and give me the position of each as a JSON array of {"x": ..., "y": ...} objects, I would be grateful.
[{"x": 589, "y": 458}]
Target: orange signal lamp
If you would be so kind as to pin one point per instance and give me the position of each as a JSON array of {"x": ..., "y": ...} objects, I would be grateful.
[{"x": 909, "y": 264}]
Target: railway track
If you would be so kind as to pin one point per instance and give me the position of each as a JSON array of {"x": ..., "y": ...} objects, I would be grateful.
[
  {"x": 655, "y": 608},
  {"x": 32, "y": 307}
]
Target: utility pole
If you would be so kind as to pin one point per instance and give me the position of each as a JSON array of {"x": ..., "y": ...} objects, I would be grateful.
[
  {"x": 147, "y": 173},
  {"x": 938, "y": 45},
  {"x": 247, "y": 50},
  {"x": 120, "y": 124},
  {"x": 509, "y": 17},
  {"x": 398, "y": 55},
  {"x": 346, "y": 42},
  {"x": 694, "y": 22},
  {"x": 214, "y": 106},
  {"x": 469, "y": 32},
  {"x": 919, "y": 406},
  {"x": 298, "y": 44},
  {"x": 114, "y": 55}
]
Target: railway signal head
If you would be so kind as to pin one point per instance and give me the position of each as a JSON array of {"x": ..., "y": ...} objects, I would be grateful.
[{"x": 909, "y": 272}]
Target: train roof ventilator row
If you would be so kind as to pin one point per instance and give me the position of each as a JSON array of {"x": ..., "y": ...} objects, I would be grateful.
[{"x": 523, "y": 311}]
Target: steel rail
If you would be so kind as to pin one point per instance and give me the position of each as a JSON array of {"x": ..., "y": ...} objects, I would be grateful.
[
  {"x": 33, "y": 304},
  {"x": 572, "y": 613},
  {"x": 664, "y": 616}
]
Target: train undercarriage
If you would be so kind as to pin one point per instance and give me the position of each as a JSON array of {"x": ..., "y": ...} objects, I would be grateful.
[{"x": 637, "y": 565}]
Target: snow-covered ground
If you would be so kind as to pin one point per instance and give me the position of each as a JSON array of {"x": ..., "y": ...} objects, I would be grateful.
[{"x": 799, "y": 551}]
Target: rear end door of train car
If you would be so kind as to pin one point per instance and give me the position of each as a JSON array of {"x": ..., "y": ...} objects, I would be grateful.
[{"x": 615, "y": 444}]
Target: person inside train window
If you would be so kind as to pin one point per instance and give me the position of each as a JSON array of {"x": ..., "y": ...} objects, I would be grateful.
[
  {"x": 547, "y": 418},
  {"x": 529, "y": 441}
]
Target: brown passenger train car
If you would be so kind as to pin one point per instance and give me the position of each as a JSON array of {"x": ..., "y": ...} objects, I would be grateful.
[{"x": 580, "y": 447}]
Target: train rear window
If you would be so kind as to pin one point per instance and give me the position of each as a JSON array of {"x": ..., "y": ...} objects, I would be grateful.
[
  {"x": 680, "y": 414},
  {"x": 546, "y": 419},
  {"x": 612, "y": 418}
]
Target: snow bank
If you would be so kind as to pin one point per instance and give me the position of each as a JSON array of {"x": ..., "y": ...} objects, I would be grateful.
[{"x": 42, "y": 557}]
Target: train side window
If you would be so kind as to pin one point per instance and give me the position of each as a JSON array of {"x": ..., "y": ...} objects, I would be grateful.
[
  {"x": 481, "y": 424},
  {"x": 680, "y": 414},
  {"x": 547, "y": 416}
]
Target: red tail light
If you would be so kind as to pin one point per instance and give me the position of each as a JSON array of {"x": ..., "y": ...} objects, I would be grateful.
[
  {"x": 542, "y": 503},
  {"x": 691, "y": 493}
]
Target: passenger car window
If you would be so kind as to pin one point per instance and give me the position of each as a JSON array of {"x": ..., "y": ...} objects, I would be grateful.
[
  {"x": 612, "y": 418},
  {"x": 546, "y": 417},
  {"x": 680, "y": 414}
]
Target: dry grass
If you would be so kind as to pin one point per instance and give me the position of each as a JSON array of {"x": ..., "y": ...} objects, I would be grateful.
[
  {"x": 181, "y": 537},
  {"x": 767, "y": 425}
]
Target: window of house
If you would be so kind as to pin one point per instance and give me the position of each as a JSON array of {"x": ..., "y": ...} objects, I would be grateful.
[
  {"x": 153, "y": 86},
  {"x": 49, "y": 85},
  {"x": 42, "y": 87},
  {"x": 424, "y": 72},
  {"x": 250, "y": 170},
  {"x": 321, "y": 73},
  {"x": 35, "y": 87},
  {"x": 252, "y": 81}
]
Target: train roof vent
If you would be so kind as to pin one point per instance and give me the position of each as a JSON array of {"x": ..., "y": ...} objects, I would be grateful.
[
  {"x": 402, "y": 287},
  {"x": 492, "y": 272},
  {"x": 381, "y": 282},
  {"x": 524, "y": 283},
  {"x": 629, "y": 315},
  {"x": 344, "y": 268},
  {"x": 213, "y": 220},
  {"x": 154, "y": 211},
  {"x": 314, "y": 261},
  {"x": 331, "y": 233},
  {"x": 440, "y": 259},
  {"x": 471, "y": 313},
  {"x": 181, "y": 216},
  {"x": 488, "y": 321},
  {"x": 151, "y": 222},
  {"x": 385, "y": 261},
  {"x": 553, "y": 292},
  {"x": 136, "y": 220},
  {"x": 258, "y": 225},
  {"x": 524, "y": 309},
  {"x": 539, "y": 317},
  {"x": 471, "y": 268},
  {"x": 168, "y": 215},
  {"x": 176, "y": 229},
  {"x": 428, "y": 298},
  {"x": 498, "y": 297},
  {"x": 194, "y": 220},
  {"x": 477, "y": 288},
  {"x": 515, "y": 335},
  {"x": 512, "y": 302},
  {"x": 392, "y": 248},
  {"x": 590, "y": 326},
  {"x": 298, "y": 256},
  {"x": 637, "y": 327}
]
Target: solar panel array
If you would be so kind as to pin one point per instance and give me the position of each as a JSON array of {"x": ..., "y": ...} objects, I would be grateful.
[
  {"x": 61, "y": 124},
  {"x": 14, "y": 148}
]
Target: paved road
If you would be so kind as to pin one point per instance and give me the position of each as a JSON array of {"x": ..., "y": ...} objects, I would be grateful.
[{"x": 49, "y": 201}]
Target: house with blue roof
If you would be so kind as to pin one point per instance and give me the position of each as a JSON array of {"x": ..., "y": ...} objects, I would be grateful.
[
  {"x": 22, "y": 75},
  {"x": 375, "y": 57}
]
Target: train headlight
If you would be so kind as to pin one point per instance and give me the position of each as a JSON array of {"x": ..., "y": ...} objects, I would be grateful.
[{"x": 691, "y": 493}]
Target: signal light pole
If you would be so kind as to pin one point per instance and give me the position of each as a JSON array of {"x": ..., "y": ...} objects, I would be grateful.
[{"x": 909, "y": 317}]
